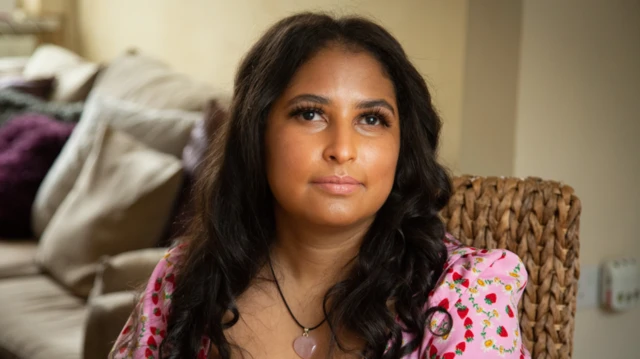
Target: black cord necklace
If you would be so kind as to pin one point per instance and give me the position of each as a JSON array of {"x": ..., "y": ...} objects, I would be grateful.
[{"x": 303, "y": 345}]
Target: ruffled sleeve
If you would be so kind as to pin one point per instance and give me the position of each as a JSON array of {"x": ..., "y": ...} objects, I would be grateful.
[
  {"x": 480, "y": 289},
  {"x": 146, "y": 327}
]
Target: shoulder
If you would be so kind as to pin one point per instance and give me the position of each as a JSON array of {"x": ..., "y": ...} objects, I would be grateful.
[
  {"x": 473, "y": 271},
  {"x": 157, "y": 295},
  {"x": 146, "y": 327},
  {"x": 480, "y": 289},
  {"x": 466, "y": 265}
]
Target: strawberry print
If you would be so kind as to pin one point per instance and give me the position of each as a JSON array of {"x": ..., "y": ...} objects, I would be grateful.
[
  {"x": 509, "y": 311},
  {"x": 490, "y": 298},
  {"x": 433, "y": 352},
  {"x": 458, "y": 279},
  {"x": 502, "y": 332},
  {"x": 468, "y": 336},
  {"x": 479, "y": 288},
  {"x": 462, "y": 310},
  {"x": 170, "y": 278},
  {"x": 151, "y": 342},
  {"x": 126, "y": 330},
  {"x": 444, "y": 303}
]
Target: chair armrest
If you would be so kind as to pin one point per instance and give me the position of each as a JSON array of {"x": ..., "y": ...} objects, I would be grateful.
[{"x": 107, "y": 316}]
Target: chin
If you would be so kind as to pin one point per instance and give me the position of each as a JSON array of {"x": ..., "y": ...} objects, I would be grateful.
[
  {"x": 337, "y": 219},
  {"x": 334, "y": 222}
]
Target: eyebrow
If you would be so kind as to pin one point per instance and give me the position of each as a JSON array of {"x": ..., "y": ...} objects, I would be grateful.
[{"x": 365, "y": 104}]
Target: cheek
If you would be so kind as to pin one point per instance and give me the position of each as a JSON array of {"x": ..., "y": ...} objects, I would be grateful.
[
  {"x": 287, "y": 159},
  {"x": 381, "y": 161}
]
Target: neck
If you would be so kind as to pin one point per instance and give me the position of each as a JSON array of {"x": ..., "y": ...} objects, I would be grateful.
[{"x": 314, "y": 256}]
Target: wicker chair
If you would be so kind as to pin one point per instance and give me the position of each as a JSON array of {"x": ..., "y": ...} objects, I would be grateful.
[{"x": 539, "y": 221}]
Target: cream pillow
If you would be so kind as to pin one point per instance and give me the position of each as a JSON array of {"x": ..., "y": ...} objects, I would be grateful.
[
  {"x": 149, "y": 82},
  {"x": 164, "y": 130},
  {"x": 121, "y": 202},
  {"x": 74, "y": 76},
  {"x": 125, "y": 271}
]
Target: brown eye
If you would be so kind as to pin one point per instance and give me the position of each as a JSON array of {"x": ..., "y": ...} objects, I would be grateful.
[
  {"x": 309, "y": 115},
  {"x": 371, "y": 120}
]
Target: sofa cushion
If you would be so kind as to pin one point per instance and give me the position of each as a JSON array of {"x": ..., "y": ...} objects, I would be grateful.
[
  {"x": 121, "y": 202},
  {"x": 107, "y": 317},
  {"x": 164, "y": 130},
  {"x": 74, "y": 76},
  {"x": 17, "y": 257},
  {"x": 151, "y": 83},
  {"x": 12, "y": 65},
  {"x": 126, "y": 271},
  {"x": 29, "y": 144},
  {"x": 40, "y": 320},
  {"x": 13, "y": 103}
]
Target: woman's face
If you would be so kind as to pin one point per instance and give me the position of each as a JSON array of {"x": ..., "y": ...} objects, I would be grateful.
[{"x": 332, "y": 140}]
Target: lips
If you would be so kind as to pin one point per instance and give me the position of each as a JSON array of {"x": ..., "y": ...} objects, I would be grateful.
[{"x": 337, "y": 185}]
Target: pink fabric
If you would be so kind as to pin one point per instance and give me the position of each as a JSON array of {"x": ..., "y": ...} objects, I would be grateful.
[{"x": 479, "y": 288}]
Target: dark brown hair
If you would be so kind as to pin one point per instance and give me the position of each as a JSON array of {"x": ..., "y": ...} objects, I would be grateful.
[{"x": 402, "y": 254}]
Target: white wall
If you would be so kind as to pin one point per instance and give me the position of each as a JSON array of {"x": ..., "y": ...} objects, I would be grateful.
[
  {"x": 578, "y": 120},
  {"x": 490, "y": 87}
]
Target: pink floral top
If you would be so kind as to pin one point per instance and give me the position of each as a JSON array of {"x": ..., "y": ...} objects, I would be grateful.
[{"x": 479, "y": 288}]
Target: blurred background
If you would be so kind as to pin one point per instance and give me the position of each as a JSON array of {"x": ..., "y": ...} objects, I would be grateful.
[{"x": 525, "y": 88}]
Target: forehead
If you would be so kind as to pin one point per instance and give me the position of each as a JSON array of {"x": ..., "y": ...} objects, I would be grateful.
[{"x": 344, "y": 74}]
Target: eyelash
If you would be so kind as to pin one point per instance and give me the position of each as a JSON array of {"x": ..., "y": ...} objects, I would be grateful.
[{"x": 376, "y": 112}]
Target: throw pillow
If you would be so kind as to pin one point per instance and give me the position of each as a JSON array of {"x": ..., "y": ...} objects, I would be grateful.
[
  {"x": 74, "y": 76},
  {"x": 13, "y": 103},
  {"x": 12, "y": 65},
  {"x": 151, "y": 83},
  {"x": 120, "y": 203},
  {"x": 40, "y": 88},
  {"x": 164, "y": 130},
  {"x": 126, "y": 271},
  {"x": 29, "y": 144}
]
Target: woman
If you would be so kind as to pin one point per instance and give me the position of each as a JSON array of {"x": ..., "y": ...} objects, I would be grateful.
[{"x": 317, "y": 232}]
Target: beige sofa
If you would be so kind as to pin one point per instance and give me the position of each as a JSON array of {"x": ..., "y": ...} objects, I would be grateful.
[
  {"x": 40, "y": 318},
  {"x": 67, "y": 294}
]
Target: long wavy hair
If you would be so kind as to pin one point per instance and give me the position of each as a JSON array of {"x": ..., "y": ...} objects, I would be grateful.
[{"x": 402, "y": 254}]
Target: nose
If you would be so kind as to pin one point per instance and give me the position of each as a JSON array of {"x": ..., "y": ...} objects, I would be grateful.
[{"x": 341, "y": 142}]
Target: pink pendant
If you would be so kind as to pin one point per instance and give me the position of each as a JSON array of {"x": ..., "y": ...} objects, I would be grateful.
[{"x": 305, "y": 346}]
